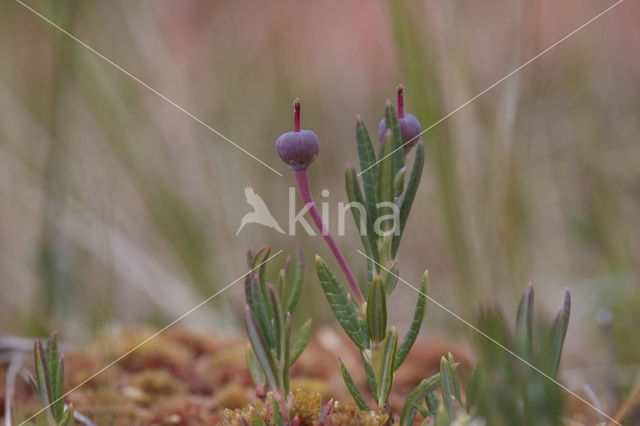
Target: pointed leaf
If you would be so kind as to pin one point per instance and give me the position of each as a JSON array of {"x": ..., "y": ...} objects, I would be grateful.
[
  {"x": 42, "y": 373},
  {"x": 524, "y": 323},
  {"x": 277, "y": 321},
  {"x": 259, "y": 309},
  {"x": 369, "y": 170},
  {"x": 67, "y": 419},
  {"x": 342, "y": 308},
  {"x": 294, "y": 294},
  {"x": 559, "y": 332},
  {"x": 300, "y": 340},
  {"x": 286, "y": 356},
  {"x": 255, "y": 369},
  {"x": 353, "y": 390},
  {"x": 391, "y": 279},
  {"x": 262, "y": 352},
  {"x": 415, "y": 398},
  {"x": 416, "y": 324},
  {"x": 354, "y": 195},
  {"x": 385, "y": 371},
  {"x": 371, "y": 376},
  {"x": 433, "y": 402},
  {"x": 377, "y": 310},
  {"x": 448, "y": 385},
  {"x": 409, "y": 194},
  {"x": 391, "y": 120}
]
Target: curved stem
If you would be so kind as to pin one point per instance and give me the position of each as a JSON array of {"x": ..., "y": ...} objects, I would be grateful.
[{"x": 304, "y": 188}]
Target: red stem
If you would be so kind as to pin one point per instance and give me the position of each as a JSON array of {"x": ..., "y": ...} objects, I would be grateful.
[
  {"x": 401, "y": 101},
  {"x": 296, "y": 116},
  {"x": 304, "y": 188}
]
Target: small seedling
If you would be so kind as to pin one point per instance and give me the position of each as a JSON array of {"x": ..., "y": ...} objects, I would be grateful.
[
  {"x": 273, "y": 348},
  {"x": 48, "y": 381}
]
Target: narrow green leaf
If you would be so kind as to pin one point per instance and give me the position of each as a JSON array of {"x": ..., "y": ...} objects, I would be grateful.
[
  {"x": 33, "y": 382},
  {"x": 255, "y": 370},
  {"x": 56, "y": 385},
  {"x": 524, "y": 323},
  {"x": 41, "y": 372},
  {"x": 448, "y": 385},
  {"x": 282, "y": 284},
  {"x": 262, "y": 352},
  {"x": 354, "y": 195},
  {"x": 559, "y": 332},
  {"x": 371, "y": 376},
  {"x": 277, "y": 321},
  {"x": 453, "y": 366},
  {"x": 342, "y": 308},
  {"x": 415, "y": 398},
  {"x": 433, "y": 402},
  {"x": 259, "y": 308},
  {"x": 391, "y": 120},
  {"x": 300, "y": 340},
  {"x": 377, "y": 310},
  {"x": 286, "y": 357},
  {"x": 398, "y": 181},
  {"x": 294, "y": 294},
  {"x": 409, "y": 195},
  {"x": 369, "y": 167},
  {"x": 353, "y": 390},
  {"x": 386, "y": 175},
  {"x": 391, "y": 279},
  {"x": 277, "y": 420},
  {"x": 416, "y": 324},
  {"x": 386, "y": 371}
]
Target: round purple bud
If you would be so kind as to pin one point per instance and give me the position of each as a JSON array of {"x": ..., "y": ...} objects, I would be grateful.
[
  {"x": 300, "y": 147},
  {"x": 410, "y": 128}
]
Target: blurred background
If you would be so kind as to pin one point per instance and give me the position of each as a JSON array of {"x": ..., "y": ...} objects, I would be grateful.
[{"x": 116, "y": 208}]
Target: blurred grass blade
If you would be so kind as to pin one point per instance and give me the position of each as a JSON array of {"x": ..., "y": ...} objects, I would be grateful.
[
  {"x": 559, "y": 332},
  {"x": 300, "y": 340},
  {"x": 386, "y": 371},
  {"x": 377, "y": 310},
  {"x": 353, "y": 390},
  {"x": 415, "y": 398},
  {"x": 298, "y": 279},
  {"x": 473, "y": 387},
  {"x": 416, "y": 324},
  {"x": 524, "y": 323},
  {"x": 371, "y": 376},
  {"x": 409, "y": 195},
  {"x": 342, "y": 308}
]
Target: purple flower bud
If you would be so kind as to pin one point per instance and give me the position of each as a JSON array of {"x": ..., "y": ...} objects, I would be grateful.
[
  {"x": 298, "y": 148},
  {"x": 409, "y": 125}
]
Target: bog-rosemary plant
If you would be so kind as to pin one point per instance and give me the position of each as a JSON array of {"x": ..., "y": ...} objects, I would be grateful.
[
  {"x": 273, "y": 347},
  {"x": 387, "y": 196},
  {"x": 48, "y": 381}
]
